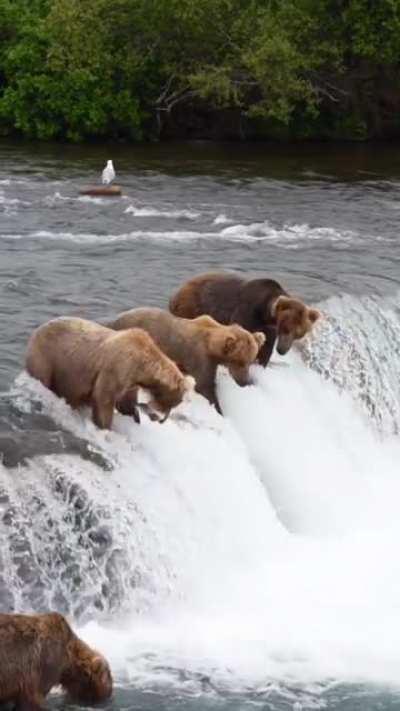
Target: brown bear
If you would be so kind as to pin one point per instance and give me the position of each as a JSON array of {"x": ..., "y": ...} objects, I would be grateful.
[
  {"x": 197, "y": 346},
  {"x": 255, "y": 304},
  {"x": 38, "y": 652},
  {"x": 89, "y": 364}
]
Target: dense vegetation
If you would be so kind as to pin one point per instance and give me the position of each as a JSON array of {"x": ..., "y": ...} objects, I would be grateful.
[{"x": 144, "y": 69}]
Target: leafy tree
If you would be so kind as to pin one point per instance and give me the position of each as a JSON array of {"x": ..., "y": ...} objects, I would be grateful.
[{"x": 84, "y": 69}]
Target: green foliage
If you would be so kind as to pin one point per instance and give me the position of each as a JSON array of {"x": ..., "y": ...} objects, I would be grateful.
[
  {"x": 375, "y": 28},
  {"x": 79, "y": 69}
]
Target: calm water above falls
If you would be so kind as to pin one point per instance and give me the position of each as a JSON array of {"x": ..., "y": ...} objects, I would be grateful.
[{"x": 218, "y": 563}]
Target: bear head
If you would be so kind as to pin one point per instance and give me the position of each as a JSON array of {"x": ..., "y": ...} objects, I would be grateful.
[
  {"x": 237, "y": 348},
  {"x": 87, "y": 677},
  {"x": 293, "y": 321},
  {"x": 162, "y": 398}
]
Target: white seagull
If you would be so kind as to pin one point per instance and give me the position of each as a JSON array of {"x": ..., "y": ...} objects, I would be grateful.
[{"x": 108, "y": 174}]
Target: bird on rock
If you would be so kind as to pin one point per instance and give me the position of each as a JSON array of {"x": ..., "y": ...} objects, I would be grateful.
[{"x": 108, "y": 174}]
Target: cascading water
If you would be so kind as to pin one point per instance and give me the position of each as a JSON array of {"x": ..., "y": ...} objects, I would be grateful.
[
  {"x": 358, "y": 348},
  {"x": 255, "y": 547}
]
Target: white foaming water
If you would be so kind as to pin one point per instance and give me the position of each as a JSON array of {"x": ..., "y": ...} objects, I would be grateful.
[
  {"x": 9, "y": 206},
  {"x": 90, "y": 199},
  {"x": 12, "y": 201},
  {"x": 92, "y": 238},
  {"x": 358, "y": 349},
  {"x": 266, "y": 547},
  {"x": 222, "y": 219},
  {"x": 14, "y": 181},
  {"x": 154, "y": 212},
  {"x": 288, "y": 237}
]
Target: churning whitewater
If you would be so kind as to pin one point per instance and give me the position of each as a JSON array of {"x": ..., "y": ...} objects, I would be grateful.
[{"x": 258, "y": 546}]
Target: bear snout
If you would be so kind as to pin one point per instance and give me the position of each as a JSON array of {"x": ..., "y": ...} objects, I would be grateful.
[
  {"x": 240, "y": 374},
  {"x": 284, "y": 343}
]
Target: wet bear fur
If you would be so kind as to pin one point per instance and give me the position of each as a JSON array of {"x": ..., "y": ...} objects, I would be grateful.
[
  {"x": 256, "y": 304},
  {"x": 38, "y": 652},
  {"x": 89, "y": 364},
  {"x": 197, "y": 346}
]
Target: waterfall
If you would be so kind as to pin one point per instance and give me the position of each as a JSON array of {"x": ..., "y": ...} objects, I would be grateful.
[{"x": 261, "y": 544}]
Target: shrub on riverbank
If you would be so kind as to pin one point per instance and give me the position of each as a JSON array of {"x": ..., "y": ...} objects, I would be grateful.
[{"x": 144, "y": 69}]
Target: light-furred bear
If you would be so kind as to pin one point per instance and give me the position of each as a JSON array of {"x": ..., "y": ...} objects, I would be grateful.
[
  {"x": 89, "y": 364},
  {"x": 256, "y": 304},
  {"x": 197, "y": 346},
  {"x": 38, "y": 652}
]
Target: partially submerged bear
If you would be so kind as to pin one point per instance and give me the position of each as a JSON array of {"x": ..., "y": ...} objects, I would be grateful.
[
  {"x": 89, "y": 364},
  {"x": 256, "y": 304},
  {"x": 197, "y": 346},
  {"x": 38, "y": 652}
]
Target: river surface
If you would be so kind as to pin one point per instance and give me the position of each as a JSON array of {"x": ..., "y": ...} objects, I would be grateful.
[{"x": 220, "y": 563}]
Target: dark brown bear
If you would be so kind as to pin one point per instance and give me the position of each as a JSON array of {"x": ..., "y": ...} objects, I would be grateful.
[
  {"x": 197, "y": 346},
  {"x": 89, "y": 364},
  {"x": 38, "y": 652},
  {"x": 255, "y": 304}
]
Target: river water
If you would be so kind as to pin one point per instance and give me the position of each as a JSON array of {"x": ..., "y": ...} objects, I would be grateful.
[{"x": 237, "y": 562}]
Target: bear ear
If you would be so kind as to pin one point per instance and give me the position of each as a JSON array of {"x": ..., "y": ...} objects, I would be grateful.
[
  {"x": 260, "y": 338},
  {"x": 282, "y": 303},
  {"x": 313, "y": 315},
  {"x": 189, "y": 383},
  {"x": 206, "y": 321},
  {"x": 229, "y": 345}
]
